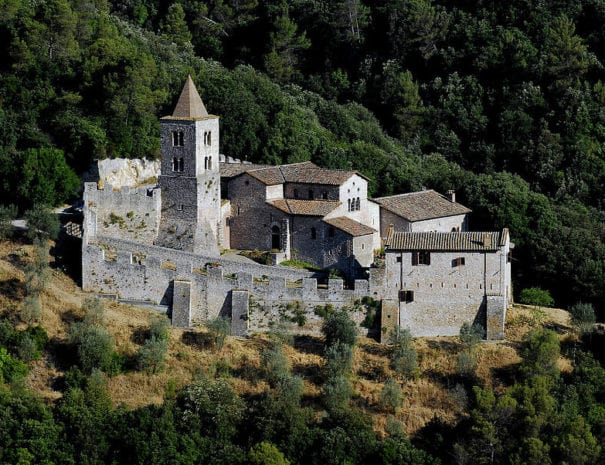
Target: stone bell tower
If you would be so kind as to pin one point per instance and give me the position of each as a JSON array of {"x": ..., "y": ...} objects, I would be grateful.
[{"x": 189, "y": 179}]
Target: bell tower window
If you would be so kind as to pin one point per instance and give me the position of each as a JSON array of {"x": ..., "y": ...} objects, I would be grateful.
[{"x": 178, "y": 138}]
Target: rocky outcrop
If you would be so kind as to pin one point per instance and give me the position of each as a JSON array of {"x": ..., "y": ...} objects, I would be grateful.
[{"x": 120, "y": 172}]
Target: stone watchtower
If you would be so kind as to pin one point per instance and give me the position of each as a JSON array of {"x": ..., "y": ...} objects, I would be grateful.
[{"x": 189, "y": 179}]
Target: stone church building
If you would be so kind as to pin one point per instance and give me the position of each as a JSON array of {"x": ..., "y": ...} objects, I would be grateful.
[{"x": 156, "y": 242}]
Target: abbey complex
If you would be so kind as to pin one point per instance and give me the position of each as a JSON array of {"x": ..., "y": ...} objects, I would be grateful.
[{"x": 164, "y": 243}]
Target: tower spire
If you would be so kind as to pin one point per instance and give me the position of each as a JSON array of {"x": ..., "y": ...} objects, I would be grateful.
[{"x": 190, "y": 103}]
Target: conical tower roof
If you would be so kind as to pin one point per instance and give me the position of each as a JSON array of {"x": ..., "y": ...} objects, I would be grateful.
[{"x": 190, "y": 103}]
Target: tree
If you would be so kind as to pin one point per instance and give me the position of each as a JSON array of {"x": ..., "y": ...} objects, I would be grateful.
[
  {"x": 583, "y": 317},
  {"x": 45, "y": 178},
  {"x": 404, "y": 358},
  {"x": 219, "y": 329},
  {"x": 338, "y": 327},
  {"x": 471, "y": 335},
  {"x": 536, "y": 296},
  {"x": 265, "y": 453},
  {"x": 540, "y": 353},
  {"x": 174, "y": 27},
  {"x": 42, "y": 223},
  {"x": 95, "y": 349},
  {"x": 7, "y": 215},
  {"x": 391, "y": 396},
  {"x": 152, "y": 355}
]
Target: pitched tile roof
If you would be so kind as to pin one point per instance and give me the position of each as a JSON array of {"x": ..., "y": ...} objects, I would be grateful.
[
  {"x": 444, "y": 241},
  {"x": 350, "y": 226},
  {"x": 304, "y": 173},
  {"x": 423, "y": 205},
  {"x": 190, "y": 103},
  {"x": 231, "y": 170},
  {"x": 305, "y": 207}
]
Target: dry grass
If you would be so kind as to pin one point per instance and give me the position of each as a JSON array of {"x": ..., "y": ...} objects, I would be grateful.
[{"x": 433, "y": 394}]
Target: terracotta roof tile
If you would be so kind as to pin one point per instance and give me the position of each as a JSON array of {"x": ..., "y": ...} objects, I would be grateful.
[
  {"x": 231, "y": 170},
  {"x": 305, "y": 173},
  {"x": 423, "y": 205},
  {"x": 350, "y": 226},
  {"x": 442, "y": 241},
  {"x": 305, "y": 207}
]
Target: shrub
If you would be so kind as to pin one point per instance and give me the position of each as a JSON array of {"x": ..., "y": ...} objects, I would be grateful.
[
  {"x": 219, "y": 328},
  {"x": 94, "y": 312},
  {"x": 336, "y": 393},
  {"x": 540, "y": 352},
  {"x": 28, "y": 350},
  {"x": 265, "y": 453},
  {"x": 339, "y": 360},
  {"x": 404, "y": 358},
  {"x": 338, "y": 327},
  {"x": 95, "y": 349},
  {"x": 466, "y": 363},
  {"x": 391, "y": 396},
  {"x": 42, "y": 223},
  {"x": 7, "y": 215},
  {"x": 471, "y": 335},
  {"x": 158, "y": 327},
  {"x": 275, "y": 364},
  {"x": 583, "y": 317},
  {"x": 152, "y": 355},
  {"x": 31, "y": 312},
  {"x": 536, "y": 296},
  {"x": 11, "y": 368}
]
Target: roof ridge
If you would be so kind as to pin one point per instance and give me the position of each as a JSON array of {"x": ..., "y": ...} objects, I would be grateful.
[{"x": 405, "y": 194}]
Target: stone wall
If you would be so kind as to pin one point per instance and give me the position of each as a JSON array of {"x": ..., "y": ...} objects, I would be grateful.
[
  {"x": 129, "y": 213},
  {"x": 444, "y": 294},
  {"x": 163, "y": 276}
]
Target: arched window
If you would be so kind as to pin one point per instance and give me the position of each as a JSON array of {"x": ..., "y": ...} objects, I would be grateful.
[
  {"x": 205, "y": 163},
  {"x": 313, "y": 233},
  {"x": 178, "y": 138},
  {"x": 181, "y": 165},
  {"x": 209, "y": 138},
  {"x": 275, "y": 238},
  {"x": 209, "y": 163},
  {"x": 349, "y": 204},
  {"x": 358, "y": 204},
  {"x": 175, "y": 164}
]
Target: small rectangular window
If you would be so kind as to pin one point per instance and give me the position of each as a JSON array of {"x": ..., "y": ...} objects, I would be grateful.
[
  {"x": 406, "y": 296},
  {"x": 458, "y": 262},
  {"x": 399, "y": 259},
  {"x": 422, "y": 257}
]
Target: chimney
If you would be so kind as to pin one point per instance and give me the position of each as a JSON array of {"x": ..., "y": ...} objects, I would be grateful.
[{"x": 452, "y": 195}]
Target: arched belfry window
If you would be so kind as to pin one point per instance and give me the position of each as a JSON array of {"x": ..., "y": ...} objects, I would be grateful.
[
  {"x": 181, "y": 165},
  {"x": 313, "y": 233},
  {"x": 205, "y": 163},
  {"x": 209, "y": 138},
  {"x": 175, "y": 164},
  {"x": 209, "y": 163},
  {"x": 275, "y": 238},
  {"x": 178, "y": 138},
  {"x": 358, "y": 204},
  {"x": 349, "y": 204}
]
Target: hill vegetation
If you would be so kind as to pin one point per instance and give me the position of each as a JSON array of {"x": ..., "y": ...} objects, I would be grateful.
[{"x": 539, "y": 395}]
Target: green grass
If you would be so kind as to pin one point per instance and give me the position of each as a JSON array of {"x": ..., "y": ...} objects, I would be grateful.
[{"x": 301, "y": 264}]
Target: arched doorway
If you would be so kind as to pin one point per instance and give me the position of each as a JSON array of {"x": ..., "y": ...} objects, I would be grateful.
[{"x": 275, "y": 238}]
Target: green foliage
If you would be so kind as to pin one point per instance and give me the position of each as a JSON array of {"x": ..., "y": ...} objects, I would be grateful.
[
  {"x": 274, "y": 364},
  {"x": 11, "y": 368},
  {"x": 470, "y": 335},
  {"x": 152, "y": 354},
  {"x": 583, "y": 317},
  {"x": 42, "y": 223},
  {"x": 31, "y": 311},
  {"x": 158, "y": 328},
  {"x": 466, "y": 363},
  {"x": 94, "y": 312},
  {"x": 536, "y": 296},
  {"x": 338, "y": 327},
  {"x": 95, "y": 349},
  {"x": 265, "y": 453},
  {"x": 28, "y": 350},
  {"x": 540, "y": 352},
  {"x": 339, "y": 360},
  {"x": 7, "y": 215},
  {"x": 336, "y": 393},
  {"x": 219, "y": 329},
  {"x": 391, "y": 396},
  {"x": 404, "y": 358},
  {"x": 46, "y": 178}
]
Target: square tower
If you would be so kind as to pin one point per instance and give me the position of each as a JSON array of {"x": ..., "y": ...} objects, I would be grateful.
[{"x": 190, "y": 179}]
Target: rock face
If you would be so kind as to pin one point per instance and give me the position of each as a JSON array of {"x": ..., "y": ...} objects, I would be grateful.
[{"x": 120, "y": 172}]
